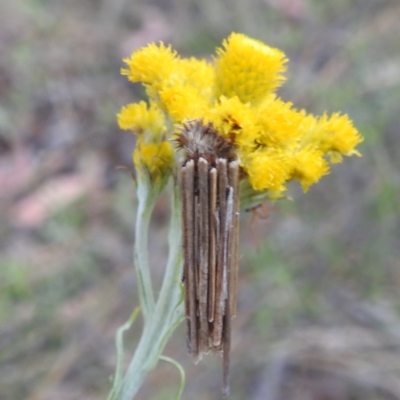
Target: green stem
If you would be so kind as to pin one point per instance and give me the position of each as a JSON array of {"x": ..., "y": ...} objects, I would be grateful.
[
  {"x": 146, "y": 200},
  {"x": 168, "y": 312},
  {"x": 181, "y": 373}
]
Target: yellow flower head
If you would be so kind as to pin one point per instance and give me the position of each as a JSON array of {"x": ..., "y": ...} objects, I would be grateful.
[
  {"x": 234, "y": 120},
  {"x": 267, "y": 170},
  {"x": 337, "y": 136},
  {"x": 183, "y": 102},
  {"x": 152, "y": 154},
  {"x": 152, "y": 65},
  {"x": 248, "y": 68},
  {"x": 274, "y": 142},
  {"x": 139, "y": 118},
  {"x": 198, "y": 74},
  {"x": 154, "y": 158},
  {"x": 279, "y": 122},
  {"x": 308, "y": 166}
]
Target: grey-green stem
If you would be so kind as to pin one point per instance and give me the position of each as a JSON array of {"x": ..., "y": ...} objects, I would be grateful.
[{"x": 162, "y": 317}]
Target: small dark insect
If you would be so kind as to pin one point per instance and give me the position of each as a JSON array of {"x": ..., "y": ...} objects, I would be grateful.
[{"x": 209, "y": 182}]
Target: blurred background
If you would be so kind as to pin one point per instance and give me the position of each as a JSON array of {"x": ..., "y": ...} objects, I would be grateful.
[{"x": 319, "y": 290}]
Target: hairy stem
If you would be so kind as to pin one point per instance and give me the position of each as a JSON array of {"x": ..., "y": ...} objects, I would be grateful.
[
  {"x": 166, "y": 314},
  {"x": 146, "y": 200}
]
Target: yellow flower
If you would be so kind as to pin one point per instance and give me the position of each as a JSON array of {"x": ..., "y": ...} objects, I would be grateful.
[
  {"x": 267, "y": 170},
  {"x": 248, "y": 68},
  {"x": 308, "y": 166},
  {"x": 155, "y": 158},
  {"x": 152, "y": 154},
  {"x": 337, "y": 136},
  {"x": 279, "y": 123},
  {"x": 183, "y": 102},
  {"x": 152, "y": 65},
  {"x": 198, "y": 74},
  {"x": 139, "y": 118},
  {"x": 235, "y": 121},
  {"x": 274, "y": 142}
]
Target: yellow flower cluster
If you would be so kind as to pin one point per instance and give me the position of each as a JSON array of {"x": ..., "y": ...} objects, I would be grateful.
[
  {"x": 153, "y": 152},
  {"x": 275, "y": 143}
]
